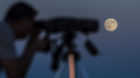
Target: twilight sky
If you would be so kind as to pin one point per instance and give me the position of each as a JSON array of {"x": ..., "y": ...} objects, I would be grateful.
[{"x": 119, "y": 50}]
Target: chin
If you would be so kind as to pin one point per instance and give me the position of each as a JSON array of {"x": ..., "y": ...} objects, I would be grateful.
[{"x": 21, "y": 37}]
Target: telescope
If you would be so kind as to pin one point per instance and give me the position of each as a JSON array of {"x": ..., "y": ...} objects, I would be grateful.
[{"x": 67, "y": 24}]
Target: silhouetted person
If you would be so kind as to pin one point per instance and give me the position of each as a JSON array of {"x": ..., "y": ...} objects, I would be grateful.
[{"x": 17, "y": 24}]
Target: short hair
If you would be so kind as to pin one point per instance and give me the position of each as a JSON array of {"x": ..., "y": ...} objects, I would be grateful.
[{"x": 20, "y": 10}]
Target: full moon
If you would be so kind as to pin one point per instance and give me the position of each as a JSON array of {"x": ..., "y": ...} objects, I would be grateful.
[{"x": 111, "y": 24}]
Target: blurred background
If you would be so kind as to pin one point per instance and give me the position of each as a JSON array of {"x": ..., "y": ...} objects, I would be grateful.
[{"x": 119, "y": 50}]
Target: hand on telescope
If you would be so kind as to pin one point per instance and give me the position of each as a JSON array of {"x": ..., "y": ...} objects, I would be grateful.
[
  {"x": 43, "y": 45},
  {"x": 36, "y": 45}
]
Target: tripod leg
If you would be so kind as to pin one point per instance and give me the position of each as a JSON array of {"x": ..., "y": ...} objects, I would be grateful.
[
  {"x": 78, "y": 73},
  {"x": 71, "y": 62},
  {"x": 82, "y": 69},
  {"x": 60, "y": 70}
]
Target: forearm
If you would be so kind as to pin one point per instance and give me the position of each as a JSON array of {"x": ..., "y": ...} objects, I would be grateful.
[
  {"x": 25, "y": 61},
  {"x": 10, "y": 67}
]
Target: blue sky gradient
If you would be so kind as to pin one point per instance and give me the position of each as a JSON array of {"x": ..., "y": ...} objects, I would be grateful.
[{"x": 119, "y": 50}]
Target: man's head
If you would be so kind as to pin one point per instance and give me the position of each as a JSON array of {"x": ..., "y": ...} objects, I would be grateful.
[{"x": 21, "y": 18}]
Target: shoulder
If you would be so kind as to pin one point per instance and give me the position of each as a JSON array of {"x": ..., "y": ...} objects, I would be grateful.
[
  {"x": 6, "y": 33},
  {"x": 7, "y": 49}
]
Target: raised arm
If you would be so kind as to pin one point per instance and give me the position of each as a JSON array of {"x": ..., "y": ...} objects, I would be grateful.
[{"x": 29, "y": 53}]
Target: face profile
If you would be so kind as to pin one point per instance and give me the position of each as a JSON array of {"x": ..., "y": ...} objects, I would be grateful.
[
  {"x": 21, "y": 17},
  {"x": 24, "y": 27}
]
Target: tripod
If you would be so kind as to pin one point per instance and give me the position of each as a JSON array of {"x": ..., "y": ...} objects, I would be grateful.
[
  {"x": 74, "y": 66},
  {"x": 72, "y": 58}
]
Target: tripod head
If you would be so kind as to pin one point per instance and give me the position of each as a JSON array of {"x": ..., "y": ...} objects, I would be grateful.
[
  {"x": 69, "y": 27},
  {"x": 68, "y": 43}
]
